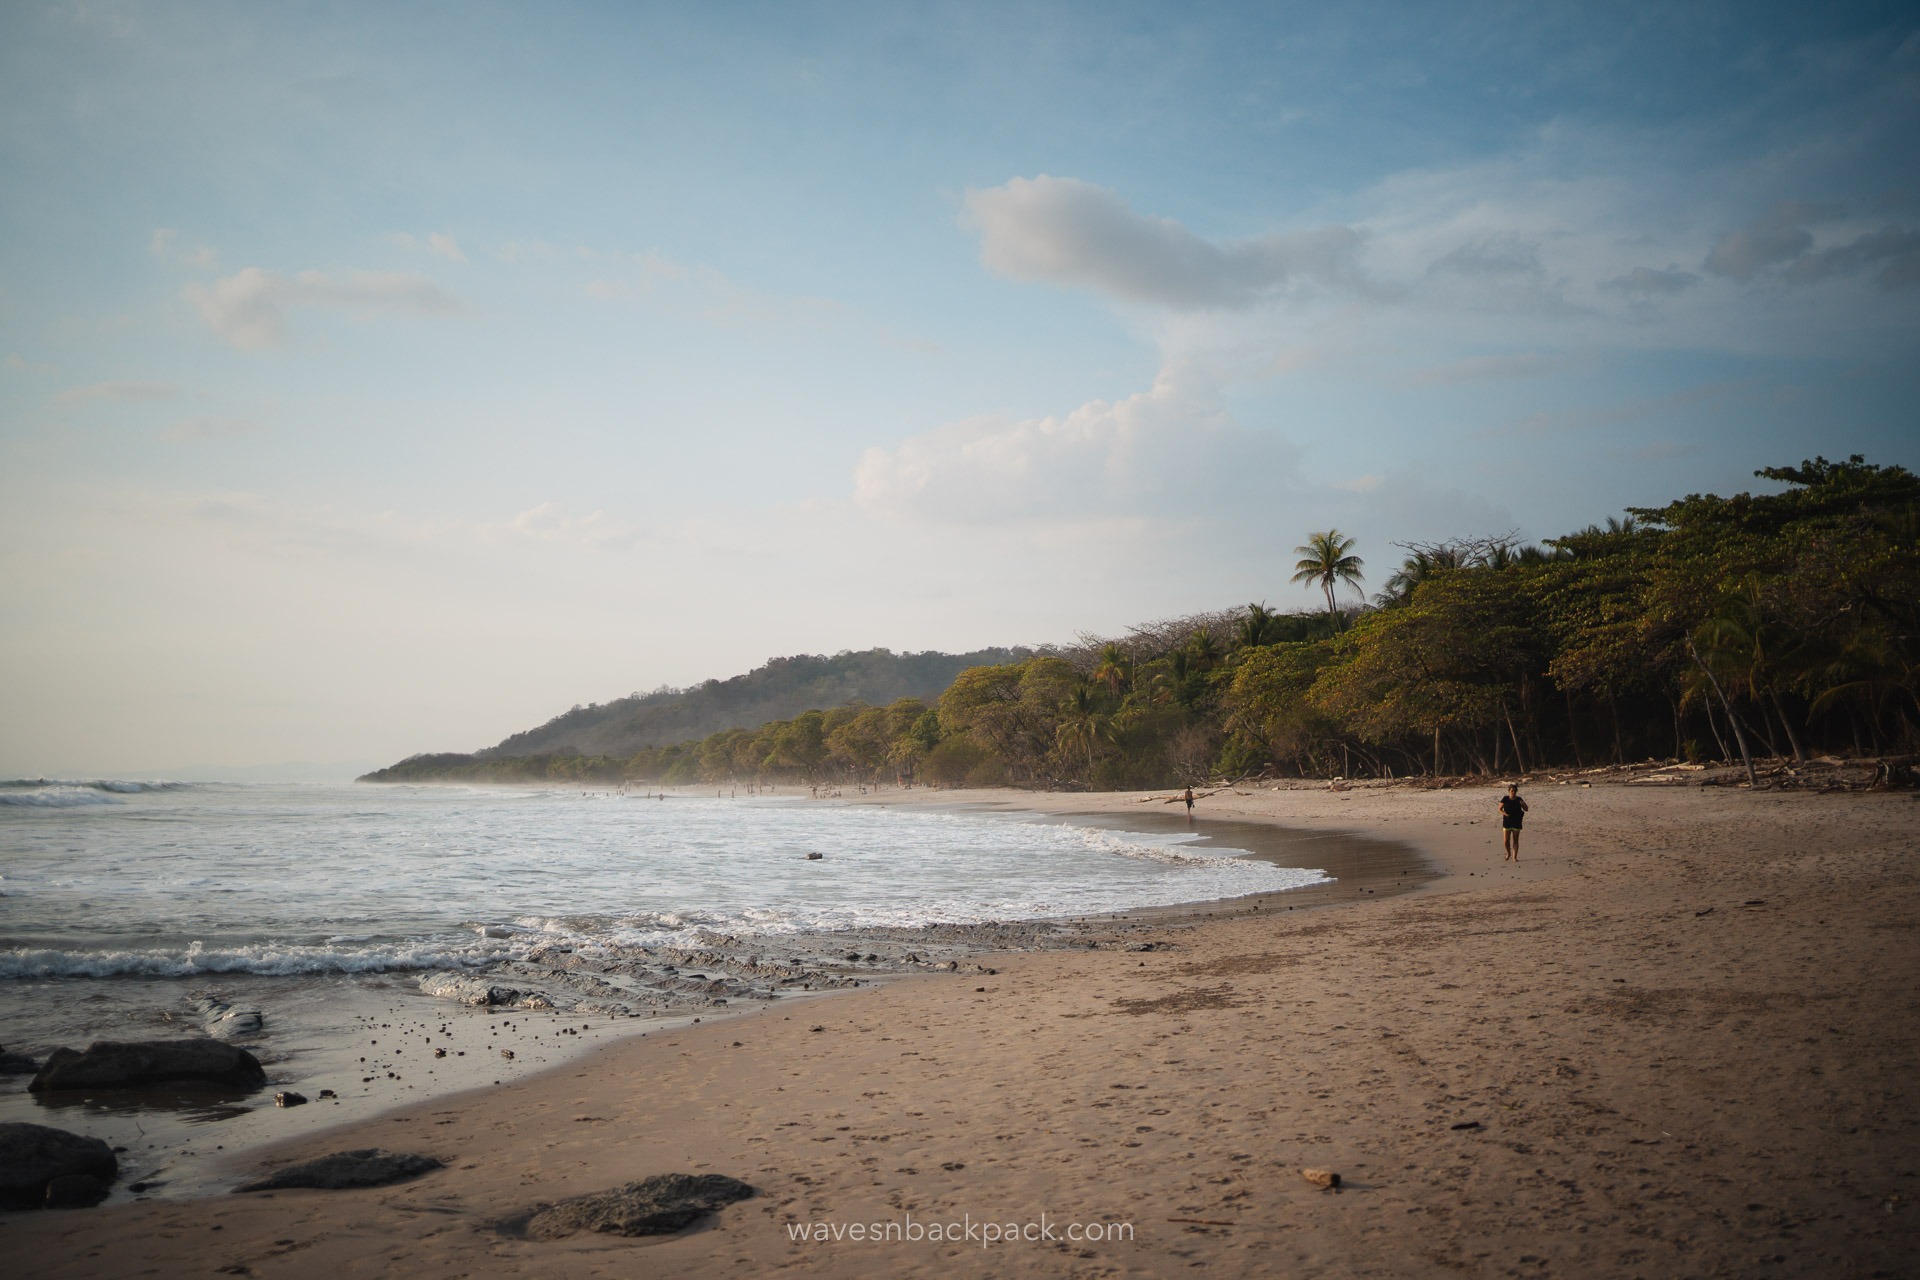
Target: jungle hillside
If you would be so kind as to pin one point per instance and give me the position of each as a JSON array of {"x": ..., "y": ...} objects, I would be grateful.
[{"x": 1778, "y": 625}]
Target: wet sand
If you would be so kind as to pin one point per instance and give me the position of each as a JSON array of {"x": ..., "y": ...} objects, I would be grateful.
[{"x": 1676, "y": 1039}]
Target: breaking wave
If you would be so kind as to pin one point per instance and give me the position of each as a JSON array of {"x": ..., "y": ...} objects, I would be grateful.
[
  {"x": 58, "y": 793},
  {"x": 280, "y": 880},
  {"x": 263, "y": 958}
]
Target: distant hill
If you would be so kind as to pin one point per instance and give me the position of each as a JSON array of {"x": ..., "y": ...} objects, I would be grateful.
[{"x": 780, "y": 690}]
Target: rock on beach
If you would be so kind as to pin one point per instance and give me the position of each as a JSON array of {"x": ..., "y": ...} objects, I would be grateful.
[
  {"x": 110, "y": 1064},
  {"x": 473, "y": 991},
  {"x": 34, "y": 1156},
  {"x": 341, "y": 1170},
  {"x": 17, "y": 1064},
  {"x": 651, "y": 1207}
]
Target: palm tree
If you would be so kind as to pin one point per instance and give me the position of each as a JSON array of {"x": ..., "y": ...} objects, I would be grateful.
[
  {"x": 1257, "y": 628},
  {"x": 1174, "y": 682},
  {"x": 1741, "y": 634},
  {"x": 1325, "y": 561},
  {"x": 1081, "y": 724},
  {"x": 1204, "y": 649},
  {"x": 1113, "y": 669},
  {"x": 1423, "y": 565}
]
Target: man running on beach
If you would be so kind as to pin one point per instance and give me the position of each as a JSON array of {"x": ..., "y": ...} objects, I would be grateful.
[{"x": 1512, "y": 810}]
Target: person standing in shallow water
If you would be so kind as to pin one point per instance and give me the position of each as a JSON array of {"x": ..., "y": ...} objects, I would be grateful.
[
  {"x": 1512, "y": 810},
  {"x": 1189, "y": 799}
]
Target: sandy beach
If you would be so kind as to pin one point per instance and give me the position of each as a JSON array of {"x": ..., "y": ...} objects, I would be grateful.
[{"x": 1676, "y": 1039}]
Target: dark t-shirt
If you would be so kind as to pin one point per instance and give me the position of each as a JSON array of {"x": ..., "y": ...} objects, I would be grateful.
[{"x": 1512, "y": 808}]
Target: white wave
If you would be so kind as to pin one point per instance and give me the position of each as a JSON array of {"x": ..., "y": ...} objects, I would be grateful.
[
  {"x": 1171, "y": 853},
  {"x": 55, "y": 797},
  {"x": 263, "y": 958},
  {"x": 446, "y": 877},
  {"x": 118, "y": 785}
]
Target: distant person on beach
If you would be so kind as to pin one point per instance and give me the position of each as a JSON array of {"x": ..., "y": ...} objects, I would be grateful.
[
  {"x": 1512, "y": 810},
  {"x": 1189, "y": 799}
]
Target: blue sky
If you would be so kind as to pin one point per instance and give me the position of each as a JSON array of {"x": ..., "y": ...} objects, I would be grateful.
[{"x": 387, "y": 378}]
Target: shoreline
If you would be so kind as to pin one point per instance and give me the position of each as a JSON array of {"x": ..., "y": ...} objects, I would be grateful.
[
  {"x": 186, "y": 1144},
  {"x": 1681, "y": 1004}
]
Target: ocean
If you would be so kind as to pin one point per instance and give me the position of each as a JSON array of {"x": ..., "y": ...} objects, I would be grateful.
[
  {"x": 137, "y": 910},
  {"x": 114, "y": 879}
]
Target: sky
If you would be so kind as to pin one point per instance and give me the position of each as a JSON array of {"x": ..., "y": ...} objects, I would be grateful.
[{"x": 389, "y": 378}]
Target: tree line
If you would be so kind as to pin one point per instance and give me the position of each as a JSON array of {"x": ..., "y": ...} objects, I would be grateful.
[{"x": 1777, "y": 624}]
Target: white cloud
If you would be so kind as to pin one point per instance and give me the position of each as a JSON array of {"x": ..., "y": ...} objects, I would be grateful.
[
  {"x": 119, "y": 391},
  {"x": 549, "y": 522},
  {"x": 165, "y": 245},
  {"x": 190, "y": 429},
  {"x": 1065, "y": 231},
  {"x": 1169, "y": 452},
  {"x": 17, "y": 363},
  {"x": 437, "y": 242},
  {"x": 249, "y": 307}
]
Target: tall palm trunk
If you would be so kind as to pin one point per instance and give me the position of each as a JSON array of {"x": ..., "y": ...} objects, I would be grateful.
[
  {"x": 1793, "y": 739},
  {"x": 1739, "y": 734},
  {"x": 1713, "y": 727},
  {"x": 1519, "y": 757}
]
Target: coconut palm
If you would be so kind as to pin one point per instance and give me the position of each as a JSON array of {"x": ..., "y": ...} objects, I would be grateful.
[
  {"x": 1260, "y": 627},
  {"x": 1424, "y": 563},
  {"x": 1081, "y": 725},
  {"x": 1204, "y": 649},
  {"x": 1113, "y": 668},
  {"x": 1325, "y": 560}
]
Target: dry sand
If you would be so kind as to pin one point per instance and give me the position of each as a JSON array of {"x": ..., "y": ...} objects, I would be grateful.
[{"x": 1682, "y": 1030}]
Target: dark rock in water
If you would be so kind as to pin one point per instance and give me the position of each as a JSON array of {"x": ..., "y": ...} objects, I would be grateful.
[
  {"x": 368, "y": 1167},
  {"x": 652, "y": 1207},
  {"x": 815, "y": 857},
  {"x": 33, "y": 1155},
  {"x": 474, "y": 991},
  {"x": 108, "y": 1064},
  {"x": 226, "y": 1021},
  {"x": 289, "y": 1099},
  {"x": 16, "y": 1064},
  {"x": 75, "y": 1191}
]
